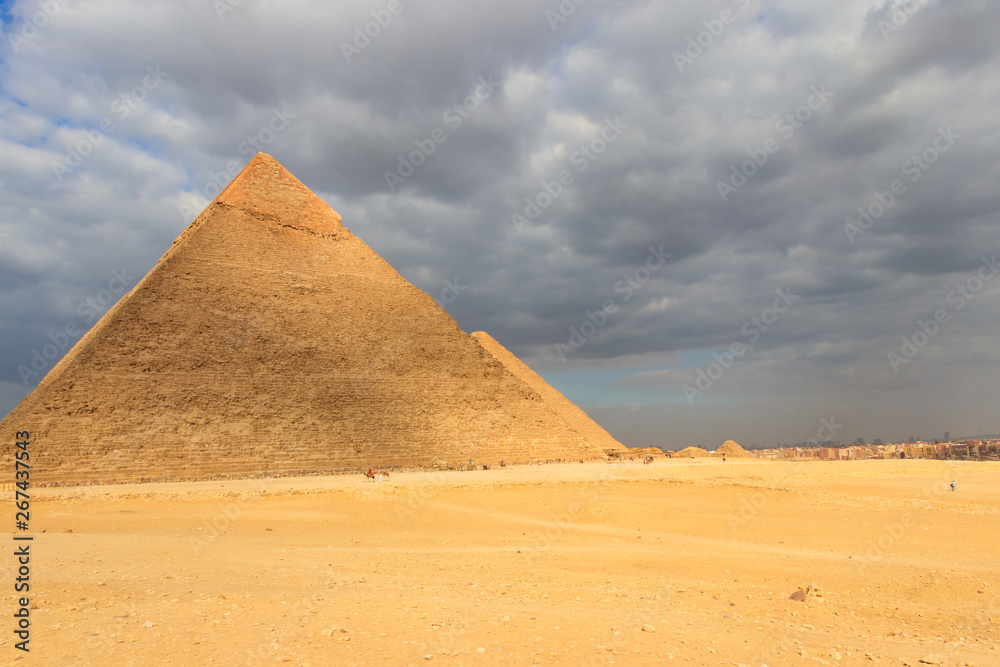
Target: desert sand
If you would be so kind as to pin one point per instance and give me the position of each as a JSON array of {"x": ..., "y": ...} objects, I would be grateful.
[{"x": 678, "y": 562}]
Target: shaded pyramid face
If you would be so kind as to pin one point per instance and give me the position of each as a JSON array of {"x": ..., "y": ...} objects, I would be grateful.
[{"x": 270, "y": 340}]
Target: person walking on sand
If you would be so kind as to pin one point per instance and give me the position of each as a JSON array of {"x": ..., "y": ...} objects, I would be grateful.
[{"x": 952, "y": 485}]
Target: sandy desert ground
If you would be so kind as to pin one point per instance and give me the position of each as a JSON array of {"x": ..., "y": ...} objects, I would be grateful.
[{"x": 679, "y": 562}]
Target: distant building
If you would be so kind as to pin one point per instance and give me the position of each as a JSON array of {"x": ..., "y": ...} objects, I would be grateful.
[
  {"x": 947, "y": 437},
  {"x": 860, "y": 442},
  {"x": 877, "y": 441}
]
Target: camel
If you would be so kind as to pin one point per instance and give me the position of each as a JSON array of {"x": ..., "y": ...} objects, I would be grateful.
[{"x": 378, "y": 473}]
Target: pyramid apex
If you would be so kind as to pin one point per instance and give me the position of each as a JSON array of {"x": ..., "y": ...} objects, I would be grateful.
[{"x": 267, "y": 188}]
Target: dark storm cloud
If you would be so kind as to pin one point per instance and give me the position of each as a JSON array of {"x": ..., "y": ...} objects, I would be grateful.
[{"x": 894, "y": 76}]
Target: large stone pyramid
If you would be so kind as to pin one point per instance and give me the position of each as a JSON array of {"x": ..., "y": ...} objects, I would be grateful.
[{"x": 270, "y": 340}]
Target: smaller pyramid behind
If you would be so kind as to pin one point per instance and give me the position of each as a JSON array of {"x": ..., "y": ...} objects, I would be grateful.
[
  {"x": 578, "y": 420},
  {"x": 732, "y": 449}
]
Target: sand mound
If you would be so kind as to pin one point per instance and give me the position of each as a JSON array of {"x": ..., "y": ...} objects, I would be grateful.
[
  {"x": 732, "y": 448},
  {"x": 691, "y": 452}
]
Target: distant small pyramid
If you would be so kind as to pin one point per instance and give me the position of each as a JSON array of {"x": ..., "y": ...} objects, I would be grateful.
[
  {"x": 733, "y": 449},
  {"x": 270, "y": 340},
  {"x": 579, "y": 420}
]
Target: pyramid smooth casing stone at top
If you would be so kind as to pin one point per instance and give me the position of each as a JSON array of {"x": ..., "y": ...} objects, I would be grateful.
[{"x": 270, "y": 340}]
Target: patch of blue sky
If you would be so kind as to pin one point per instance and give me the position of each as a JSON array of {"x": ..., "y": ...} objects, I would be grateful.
[{"x": 5, "y": 16}]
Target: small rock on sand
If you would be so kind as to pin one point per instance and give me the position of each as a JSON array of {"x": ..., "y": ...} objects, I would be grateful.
[{"x": 810, "y": 593}]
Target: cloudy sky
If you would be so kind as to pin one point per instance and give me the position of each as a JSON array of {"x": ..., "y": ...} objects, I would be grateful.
[{"x": 744, "y": 219}]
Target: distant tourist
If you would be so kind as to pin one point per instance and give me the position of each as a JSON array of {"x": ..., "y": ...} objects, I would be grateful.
[{"x": 952, "y": 485}]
